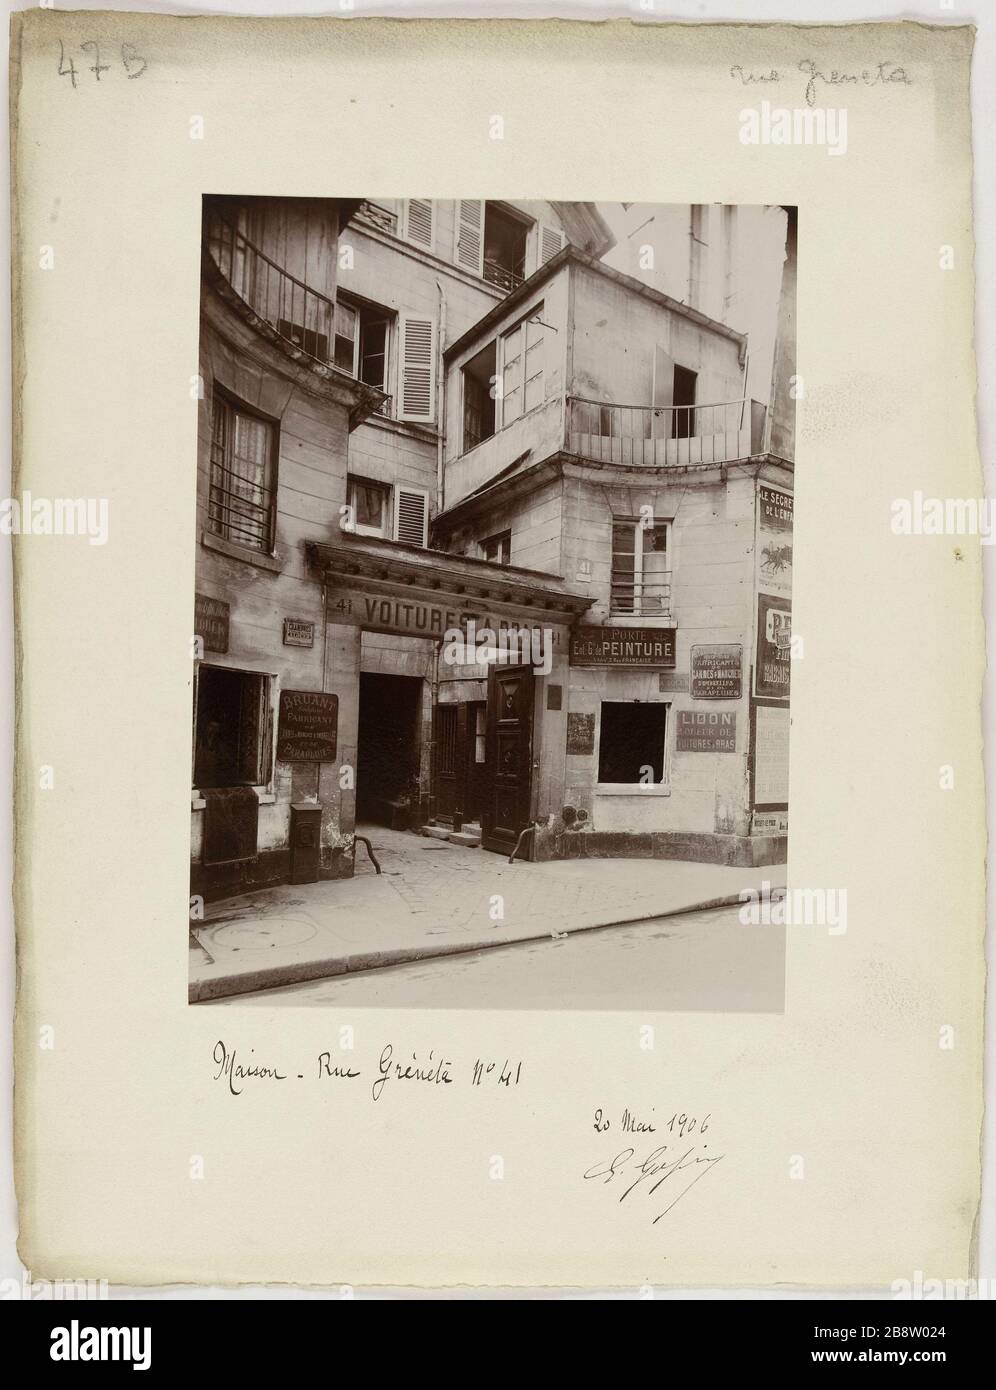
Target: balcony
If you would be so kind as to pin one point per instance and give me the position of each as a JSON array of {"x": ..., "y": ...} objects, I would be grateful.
[
  {"x": 502, "y": 278},
  {"x": 663, "y": 436},
  {"x": 634, "y": 597},
  {"x": 303, "y": 317}
]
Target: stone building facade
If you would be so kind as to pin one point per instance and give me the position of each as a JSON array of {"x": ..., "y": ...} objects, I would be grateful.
[{"x": 486, "y": 531}]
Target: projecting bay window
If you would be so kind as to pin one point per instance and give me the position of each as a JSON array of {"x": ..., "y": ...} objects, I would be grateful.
[
  {"x": 242, "y": 488},
  {"x": 522, "y": 367},
  {"x": 632, "y": 743},
  {"x": 641, "y": 578}
]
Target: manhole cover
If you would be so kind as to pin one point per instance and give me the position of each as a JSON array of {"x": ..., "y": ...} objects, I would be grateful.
[{"x": 263, "y": 934}]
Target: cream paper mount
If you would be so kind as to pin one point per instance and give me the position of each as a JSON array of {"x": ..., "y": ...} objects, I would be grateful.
[{"x": 844, "y": 1126}]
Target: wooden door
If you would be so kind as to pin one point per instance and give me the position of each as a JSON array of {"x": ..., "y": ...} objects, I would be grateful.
[
  {"x": 508, "y": 766},
  {"x": 447, "y": 762}
]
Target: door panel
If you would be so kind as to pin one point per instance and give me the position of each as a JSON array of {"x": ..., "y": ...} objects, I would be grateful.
[
  {"x": 446, "y": 761},
  {"x": 508, "y": 768}
]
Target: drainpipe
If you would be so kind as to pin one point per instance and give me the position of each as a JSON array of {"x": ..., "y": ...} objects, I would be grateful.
[{"x": 440, "y": 397}]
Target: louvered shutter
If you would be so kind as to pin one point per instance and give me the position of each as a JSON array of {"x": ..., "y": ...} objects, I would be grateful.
[
  {"x": 411, "y": 515},
  {"x": 418, "y": 369},
  {"x": 469, "y": 250},
  {"x": 551, "y": 241},
  {"x": 418, "y": 222}
]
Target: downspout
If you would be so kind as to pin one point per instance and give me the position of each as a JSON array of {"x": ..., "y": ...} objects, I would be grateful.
[{"x": 440, "y": 398}]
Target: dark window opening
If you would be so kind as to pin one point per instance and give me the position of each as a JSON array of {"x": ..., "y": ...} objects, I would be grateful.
[
  {"x": 479, "y": 376},
  {"x": 498, "y": 549},
  {"x": 231, "y": 728},
  {"x": 361, "y": 342},
  {"x": 505, "y": 239},
  {"x": 241, "y": 493},
  {"x": 683, "y": 400},
  {"x": 631, "y": 742}
]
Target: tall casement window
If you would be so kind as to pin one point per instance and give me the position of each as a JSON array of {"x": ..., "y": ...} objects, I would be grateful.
[
  {"x": 242, "y": 492},
  {"x": 501, "y": 243},
  {"x": 362, "y": 341},
  {"x": 641, "y": 577},
  {"x": 522, "y": 367},
  {"x": 632, "y": 742},
  {"x": 233, "y": 729}
]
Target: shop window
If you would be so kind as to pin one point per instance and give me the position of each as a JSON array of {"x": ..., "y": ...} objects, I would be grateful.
[
  {"x": 371, "y": 507},
  {"x": 231, "y": 735},
  {"x": 242, "y": 488},
  {"x": 631, "y": 743},
  {"x": 641, "y": 577},
  {"x": 498, "y": 549},
  {"x": 479, "y": 376}
]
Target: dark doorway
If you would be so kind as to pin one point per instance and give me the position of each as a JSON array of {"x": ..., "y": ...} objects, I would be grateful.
[
  {"x": 387, "y": 759},
  {"x": 683, "y": 400},
  {"x": 508, "y": 772}
]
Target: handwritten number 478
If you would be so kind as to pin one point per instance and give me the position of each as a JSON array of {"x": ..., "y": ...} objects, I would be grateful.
[{"x": 134, "y": 64}]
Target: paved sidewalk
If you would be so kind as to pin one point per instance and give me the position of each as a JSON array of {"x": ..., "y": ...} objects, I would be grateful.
[{"x": 437, "y": 898}]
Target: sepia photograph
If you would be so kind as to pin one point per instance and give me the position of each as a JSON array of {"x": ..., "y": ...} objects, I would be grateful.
[{"x": 493, "y": 629}]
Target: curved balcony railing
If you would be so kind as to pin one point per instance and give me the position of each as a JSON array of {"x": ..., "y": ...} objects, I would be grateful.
[
  {"x": 302, "y": 316},
  {"x": 659, "y": 435}
]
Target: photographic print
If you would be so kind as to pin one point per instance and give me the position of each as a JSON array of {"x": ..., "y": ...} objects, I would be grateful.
[{"x": 493, "y": 599}]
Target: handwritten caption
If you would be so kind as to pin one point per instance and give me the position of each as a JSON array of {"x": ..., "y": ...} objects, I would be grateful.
[
  {"x": 879, "y": 75},
  {"x": 430, "y": 1069}
]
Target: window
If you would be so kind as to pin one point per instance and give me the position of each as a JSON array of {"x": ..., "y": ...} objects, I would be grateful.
[
  {"x": 522, "y": 367},
  {"x": 242, "y": 490},
  {"x": 641, "y": 580},
  {"x": 361, "y": 342},
  {"x": 479, "y": 376},
  {"x": 683, "y": 400},
  {"x": 371, "y": 504},
  {"x": 232, "y": 728},
  {"x": 631, "y": 742},
  {"x": 498, "y": 549},
  {"x": 505, "y": 238}
]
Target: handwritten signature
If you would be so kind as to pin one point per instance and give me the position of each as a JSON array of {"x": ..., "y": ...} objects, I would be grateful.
[{"x": 661, "y": 1164}]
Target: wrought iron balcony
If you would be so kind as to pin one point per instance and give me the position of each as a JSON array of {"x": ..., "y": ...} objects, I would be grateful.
[
  {"x": 654, "y": 435},
  {"x": 500, "y": 277},
  {"x": 301, "y": 316},
  {"x": 633, "y": 596}
]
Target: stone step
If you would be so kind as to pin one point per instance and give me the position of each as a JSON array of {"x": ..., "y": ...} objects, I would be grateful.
[
  {"x": 464, "y": 837},
  {"x": 437, "y": 832}
]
